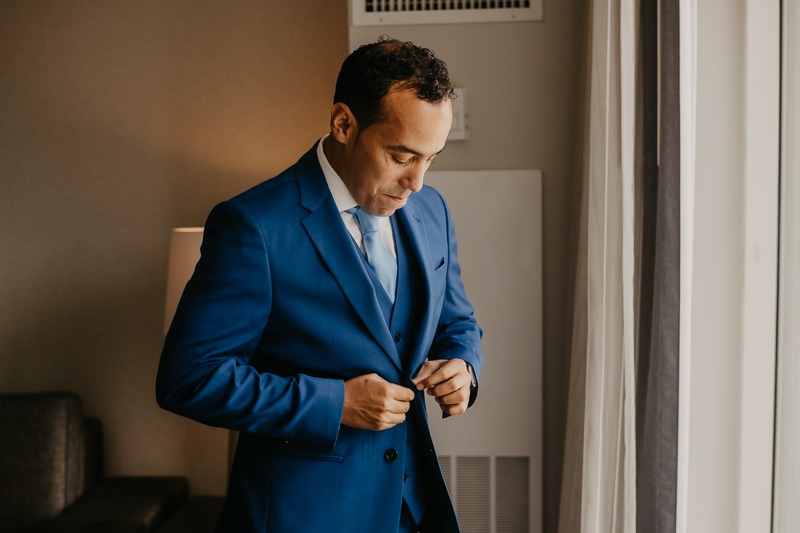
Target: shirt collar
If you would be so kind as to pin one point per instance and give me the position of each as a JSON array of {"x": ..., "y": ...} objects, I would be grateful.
[{"x": 341, "y": 195}]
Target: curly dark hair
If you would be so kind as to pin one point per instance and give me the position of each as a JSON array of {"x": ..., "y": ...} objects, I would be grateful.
[{"x": 370, "y": 72}]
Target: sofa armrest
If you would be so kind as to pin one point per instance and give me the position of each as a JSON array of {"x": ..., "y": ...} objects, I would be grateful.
[{"x": 40, "y": 456}]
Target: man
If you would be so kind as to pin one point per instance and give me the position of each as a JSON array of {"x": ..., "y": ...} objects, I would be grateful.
[{"x": 319, "y": 295}]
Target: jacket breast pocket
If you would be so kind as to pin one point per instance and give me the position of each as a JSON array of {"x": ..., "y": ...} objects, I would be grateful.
[{"x": 439, "y": 273}]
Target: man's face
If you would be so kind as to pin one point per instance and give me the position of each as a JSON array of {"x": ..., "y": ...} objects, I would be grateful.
[{"x": 388, "y": 160}]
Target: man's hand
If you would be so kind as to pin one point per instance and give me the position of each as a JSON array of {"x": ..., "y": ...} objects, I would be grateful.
[
  {"x": 371, "y": 402},
  {"x": 448, "y": 380}
]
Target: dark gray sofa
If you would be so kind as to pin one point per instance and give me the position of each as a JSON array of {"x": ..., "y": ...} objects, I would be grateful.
[{"x": 51, "y": 473}]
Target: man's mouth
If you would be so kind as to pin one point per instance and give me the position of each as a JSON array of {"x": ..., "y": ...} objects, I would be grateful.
[
  {"x": 396, "y": 201},
  {"x": 401, "y": 195}
]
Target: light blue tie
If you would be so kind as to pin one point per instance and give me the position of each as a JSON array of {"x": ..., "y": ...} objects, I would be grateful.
[{"x": 378, "y": 256}]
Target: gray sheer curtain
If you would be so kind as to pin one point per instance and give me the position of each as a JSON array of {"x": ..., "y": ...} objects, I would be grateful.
[{"x": 621, "y": 459}]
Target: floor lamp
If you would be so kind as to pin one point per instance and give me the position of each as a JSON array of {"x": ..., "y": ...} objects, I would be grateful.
[{"x": 184, "y": 252}]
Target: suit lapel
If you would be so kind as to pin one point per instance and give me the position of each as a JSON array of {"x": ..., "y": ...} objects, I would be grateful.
[
  {"x": 415, "y": 228},
  {"x": 325, "y": 229}
]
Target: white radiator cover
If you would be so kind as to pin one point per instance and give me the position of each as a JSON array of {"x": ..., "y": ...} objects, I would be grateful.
[{"x": 492, "y": 455}]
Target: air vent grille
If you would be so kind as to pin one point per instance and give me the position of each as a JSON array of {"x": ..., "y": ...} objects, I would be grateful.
[
  {"x": 444, "y": 5},
  {"x": 513, "y": 494},
  {"x": 473, "y": 490},
  {"x": 492, "y": 494},
  {"x": 387, "y": 12}
]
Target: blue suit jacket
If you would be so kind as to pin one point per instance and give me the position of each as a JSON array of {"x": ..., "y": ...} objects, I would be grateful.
[{"x": 279, "y": 312}]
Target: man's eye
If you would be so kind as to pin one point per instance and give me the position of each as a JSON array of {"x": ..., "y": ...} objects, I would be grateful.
[{"x": 399, "y": 162}]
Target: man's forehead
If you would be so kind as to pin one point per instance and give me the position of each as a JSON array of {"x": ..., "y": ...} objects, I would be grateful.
[{"x": 396, "y": 104}]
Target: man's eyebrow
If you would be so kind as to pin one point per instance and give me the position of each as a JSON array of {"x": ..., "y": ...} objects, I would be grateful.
[{"x": 407, "y": 150}]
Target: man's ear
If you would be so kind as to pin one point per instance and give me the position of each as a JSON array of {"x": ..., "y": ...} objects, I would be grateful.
[{"x": 343, "y": 123}]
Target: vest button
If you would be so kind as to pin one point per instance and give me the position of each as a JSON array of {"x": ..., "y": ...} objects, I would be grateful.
[
  {"x": 397, "y": 337},
  {"x": 390, "y": 455}
]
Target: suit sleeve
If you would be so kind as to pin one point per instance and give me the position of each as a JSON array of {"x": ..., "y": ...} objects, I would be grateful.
[
  {"x": 457, "y": 334},
  {"x": 204, "y": 372}
]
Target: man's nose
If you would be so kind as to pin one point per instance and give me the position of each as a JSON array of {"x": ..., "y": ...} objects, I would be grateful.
[{"x": 413, "y": 180}]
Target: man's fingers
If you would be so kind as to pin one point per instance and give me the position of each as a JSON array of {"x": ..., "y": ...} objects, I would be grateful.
[
  {"x": 457, "y": 382},
  {"x": 387, "y": 415},
  {"x": 442, "y": 370},
  {"x": 454, "y": 403},
  {"x": 455, "y": 409},
  {"x": 395, "y": 406},
  {"x": 391, "y": 419},
  {"x": 397, "y": 392},
  {"x": 441, "y": 375},
  {"x": 459, "y": 396},
  {"x": 428, "y": 368},
  {"x": 394, "y": 398},
  {"x": 371, "y": 402},
  {"x": 449, "y": 378},
  {"x": 400, "y": 393},
  {"x": 448, "y": 381}
]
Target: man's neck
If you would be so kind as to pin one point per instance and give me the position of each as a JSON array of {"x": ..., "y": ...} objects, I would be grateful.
[{"x": 334, "y": 153}]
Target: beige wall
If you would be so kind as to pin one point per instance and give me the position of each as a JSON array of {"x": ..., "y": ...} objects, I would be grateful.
[
  {"x": 524, "y": 83},
  {"x": 118, "y": 121}
]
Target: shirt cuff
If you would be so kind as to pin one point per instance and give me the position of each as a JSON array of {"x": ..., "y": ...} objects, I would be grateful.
[{"x": 474, "y": 383}]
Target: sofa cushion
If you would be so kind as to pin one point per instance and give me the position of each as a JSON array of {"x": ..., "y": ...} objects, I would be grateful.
[
  {"x": 126, "y": 503},
  {"x": 199, "y": 515},
  {"x": 92, "y": 453},
  {"x": 40, "y": 456}
]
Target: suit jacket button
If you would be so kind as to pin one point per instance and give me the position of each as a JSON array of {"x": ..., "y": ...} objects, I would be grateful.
[
  {"x": 390, "y": 455},
  {"x": 397, "y": 337}
]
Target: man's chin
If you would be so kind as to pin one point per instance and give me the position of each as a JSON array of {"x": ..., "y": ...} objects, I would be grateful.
[{"x": 382, "y": 211}]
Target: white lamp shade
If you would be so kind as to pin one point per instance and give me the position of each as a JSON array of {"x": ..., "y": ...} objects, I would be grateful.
[{"x": 184, "y": 252}]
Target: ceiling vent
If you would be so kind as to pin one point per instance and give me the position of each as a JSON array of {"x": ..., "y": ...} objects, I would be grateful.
[{"x": 392, "y": 12}]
